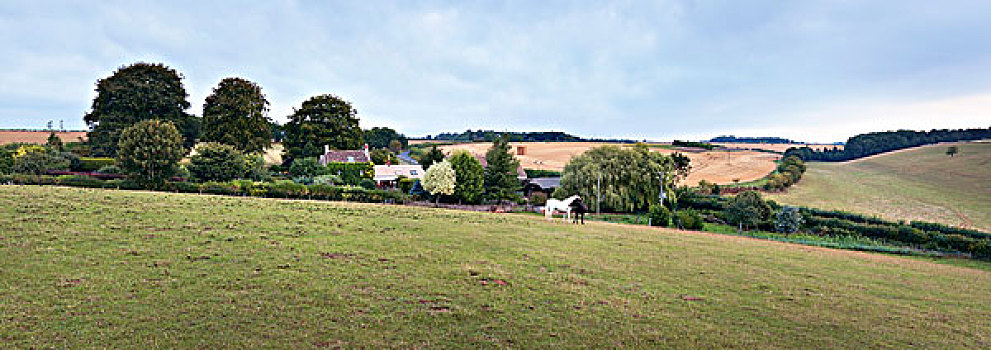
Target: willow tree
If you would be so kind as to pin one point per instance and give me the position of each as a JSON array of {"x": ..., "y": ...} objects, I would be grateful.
[{"x": 621, "y": 179}]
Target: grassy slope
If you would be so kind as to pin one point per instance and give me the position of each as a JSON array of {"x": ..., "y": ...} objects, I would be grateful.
[
  {"x": 85, "y": 267},
  {"x": 917, "y": 184}
]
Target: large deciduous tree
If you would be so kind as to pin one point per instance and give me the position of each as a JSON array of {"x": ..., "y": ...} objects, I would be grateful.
[
  {"x": 135, "y": 93},
  {"x": 324, "y": 120},
  {"x": 501, "y": 181},
  {"x": 150, "y": 151},
  {"x": 631, "y": 178},
  {"x": 235, "y": 114},
  {"x": 471, "y": 176},
  {"x": 747, "y": 210}
]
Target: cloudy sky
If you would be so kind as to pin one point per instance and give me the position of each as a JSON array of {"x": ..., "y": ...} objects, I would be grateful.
[{"x": 807, "y": 70}]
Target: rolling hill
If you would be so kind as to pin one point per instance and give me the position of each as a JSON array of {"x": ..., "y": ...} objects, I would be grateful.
[
  {"x": 920, "y": 183},
  {"x": 120, "y": 269}
]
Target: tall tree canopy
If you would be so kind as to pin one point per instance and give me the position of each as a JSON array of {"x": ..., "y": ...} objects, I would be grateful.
[
  {"x": 501, "y": 180},
  {"x": 381, "y": 137},
  {"x": 150, "y": 150},
  {"x": 470, "y": 175},
  {"x": 433, "y": 156},
  {"x": 235, "y": 114},
  {"x": 134, "y": 93},
  {"x": 631, "y": 177},
  {"x": 324, "y": 120}
]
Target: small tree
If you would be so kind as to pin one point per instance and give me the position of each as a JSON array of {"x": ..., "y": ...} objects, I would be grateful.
[
  {"x": 952, "y": 151},
  {"x": 788, "y": 220},
  {"x": 432, "y": 156},
  {"x": 54, "y": 142},
  {"x": 383, "y": 156},
  {"x": 501, "y": 180},
  {"x": 395, "y": 146},
  {"x": 217, "y": 162},
  {"x": 747, "y": 209},
  {"x": 150, "y": 150},
  {"x": 440, "y": 179},
  {"x": 471, "y": 177}
]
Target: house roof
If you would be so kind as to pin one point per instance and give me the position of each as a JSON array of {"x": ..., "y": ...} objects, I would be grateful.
[
  {"x": 346, "y": 156},
  {"x": 519, "y": 169},
  {"x": 547, "y": 182},
  {"x": 392, "y": 172}
]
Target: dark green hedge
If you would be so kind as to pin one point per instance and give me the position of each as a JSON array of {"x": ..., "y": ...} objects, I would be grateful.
[
  {"x": 93, "y": 164},
  {"x": 283, "y": 189}
]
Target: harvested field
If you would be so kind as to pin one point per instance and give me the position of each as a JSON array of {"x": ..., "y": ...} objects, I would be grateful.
[
  {"x": 39, "y": 137},
  {"x": 721, "y": 167}
]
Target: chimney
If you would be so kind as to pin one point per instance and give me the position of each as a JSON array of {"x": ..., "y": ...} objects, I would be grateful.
[
  {"x": 326, "y": 149},
  {"x": 367, "y": 155}
]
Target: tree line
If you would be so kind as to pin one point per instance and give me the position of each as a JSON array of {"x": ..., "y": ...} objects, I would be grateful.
[{"x": 879, "y": 142}]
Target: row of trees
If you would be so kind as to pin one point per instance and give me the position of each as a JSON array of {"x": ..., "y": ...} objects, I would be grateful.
[
  {"x": 235, "y": 113},
  {"x": 462, "y": 177},
  {"x": 878, "y": 142}
]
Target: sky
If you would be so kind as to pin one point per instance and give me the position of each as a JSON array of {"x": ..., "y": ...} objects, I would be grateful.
[{"x": 814, "y": 71}]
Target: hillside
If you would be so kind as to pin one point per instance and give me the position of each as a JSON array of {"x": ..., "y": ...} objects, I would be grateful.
[
  {"x": 913, "y": 184},
  {"x": 39, "y": 137},
  {"x": 139, "y": 270}
]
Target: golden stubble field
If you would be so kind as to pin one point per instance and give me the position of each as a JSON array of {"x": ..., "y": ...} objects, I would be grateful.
[
  {"x": 721, "y": 167},
  {"x": 39, "y": 137}
]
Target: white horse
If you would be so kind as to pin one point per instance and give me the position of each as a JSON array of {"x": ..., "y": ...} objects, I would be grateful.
[{"x": 559, "y": 205}]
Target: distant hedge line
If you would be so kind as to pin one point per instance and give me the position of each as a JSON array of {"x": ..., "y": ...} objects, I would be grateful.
[
  {"x": 924, "y": 235},
  {"x": 283, "y": 189}
]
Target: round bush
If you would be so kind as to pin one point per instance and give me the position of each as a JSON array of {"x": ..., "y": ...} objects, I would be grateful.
[
  {"x": 217, "y": 162},
  {"x": 659, "y": 216},
  {"x": 689, "y": 219}
]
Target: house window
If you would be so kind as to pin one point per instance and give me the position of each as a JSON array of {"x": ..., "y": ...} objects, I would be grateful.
[
  {"x": 350, "y": 159},
  {"x": 412, "y": 172},
  {"x": 399, "y": 172}
]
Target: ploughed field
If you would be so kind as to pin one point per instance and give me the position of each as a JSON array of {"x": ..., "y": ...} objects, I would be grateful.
[
  {"x": 920, "y": 183},
  {"x": 105, "y": 268}
]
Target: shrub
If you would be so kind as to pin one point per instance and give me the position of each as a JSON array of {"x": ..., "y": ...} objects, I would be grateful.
[
  {"x": 308, "y": 167},
  {"x": 217, "y": 162},
  {"x": 110, "y": 169},
  {"x": 327, "y": 180},
  {"x": 256, "y": 169},
  {"x": 747, "y": 209},
  {"x": 93, "y": 164},
  {"x": 40, "y": 162},
  {"x": 689, "y": 219},
  {"x": 788, "y": 220},
  {"x": 469, "y": 176},
  {"x": 538, "y": 198},
  {"x": 406, "y": 184},
  {"x": 6, "y": 161},
  {"x": 659, "y": 216},
  {"x": 351, "y": 173},
  {"x": 150, "y": 150},
  {"x": 367, "y": 184}
]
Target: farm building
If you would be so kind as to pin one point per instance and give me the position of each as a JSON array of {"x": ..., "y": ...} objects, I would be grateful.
[
  {"x": 345, "y": 156},
  {"x": 541, "y": 184},
  {"x": 387, "y": 176}
]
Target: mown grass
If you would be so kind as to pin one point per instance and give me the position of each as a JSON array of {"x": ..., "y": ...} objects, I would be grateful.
[
  {"x": 919, "y": 184},
  {"x": 104, "y": 268}
]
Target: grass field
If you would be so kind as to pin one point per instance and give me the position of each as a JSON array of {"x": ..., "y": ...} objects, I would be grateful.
[
  {"x": 98, "y": 268},
  {"x": 915, "y": 184}
]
